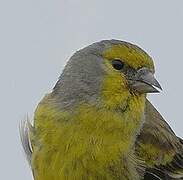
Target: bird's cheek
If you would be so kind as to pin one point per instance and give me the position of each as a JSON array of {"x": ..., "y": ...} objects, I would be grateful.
[
  {"x": 124, "y": 82},
  {"x": 114, "y": 92}
]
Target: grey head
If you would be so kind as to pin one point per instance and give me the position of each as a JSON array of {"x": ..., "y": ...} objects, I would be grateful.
[{"x": 81, "y": 78}]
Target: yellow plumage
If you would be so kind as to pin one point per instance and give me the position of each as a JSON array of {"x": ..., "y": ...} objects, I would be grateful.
[
  {"x": 93, "y": 125},
  {"x": 89, "y": 143}
]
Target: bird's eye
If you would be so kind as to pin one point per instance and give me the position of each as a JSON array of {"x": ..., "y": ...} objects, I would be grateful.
[{"x": 117, "y": 64}]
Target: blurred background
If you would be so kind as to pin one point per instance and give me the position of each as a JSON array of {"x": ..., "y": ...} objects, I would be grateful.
[{"x": 38, "y": 36}]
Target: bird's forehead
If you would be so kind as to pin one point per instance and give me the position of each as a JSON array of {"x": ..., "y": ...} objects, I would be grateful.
[{"x": 130, "y": 54}]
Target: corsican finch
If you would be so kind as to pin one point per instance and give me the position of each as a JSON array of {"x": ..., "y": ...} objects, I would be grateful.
[{"x": 97, "y": 124}]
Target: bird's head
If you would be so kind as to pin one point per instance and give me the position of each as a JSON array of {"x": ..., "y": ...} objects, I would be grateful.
[{"x": 110, "y": 69}]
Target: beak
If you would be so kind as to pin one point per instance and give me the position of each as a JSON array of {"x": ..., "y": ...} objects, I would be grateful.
[{"x": 145, "y": 82}]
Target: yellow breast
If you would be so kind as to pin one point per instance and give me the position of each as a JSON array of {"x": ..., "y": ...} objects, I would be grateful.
[{"x": 90, "y": 143}]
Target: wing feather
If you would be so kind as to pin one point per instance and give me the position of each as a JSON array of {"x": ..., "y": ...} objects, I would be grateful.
[{"x": 158, "y": 145}]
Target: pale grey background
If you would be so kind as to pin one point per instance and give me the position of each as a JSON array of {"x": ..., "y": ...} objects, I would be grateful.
[{"x": 37, "y": 36}]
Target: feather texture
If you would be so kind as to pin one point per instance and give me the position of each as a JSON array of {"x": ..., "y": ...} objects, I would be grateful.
[
  {"x": 160, "y": 148},
  {"x": 24, "y": 130}
]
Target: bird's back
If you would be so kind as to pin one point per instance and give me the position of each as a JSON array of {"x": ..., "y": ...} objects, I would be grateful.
[{"x": 159, "y": 147}]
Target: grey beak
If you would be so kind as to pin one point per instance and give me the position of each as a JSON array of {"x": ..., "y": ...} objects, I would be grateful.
[{"x": 145, "y": 82}]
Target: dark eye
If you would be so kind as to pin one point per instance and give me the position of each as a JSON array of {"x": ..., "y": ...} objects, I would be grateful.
[{"x": 117, "y": 64}]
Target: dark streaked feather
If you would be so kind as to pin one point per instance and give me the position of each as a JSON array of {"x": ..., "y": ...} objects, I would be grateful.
[
  {"x": 158, "y": 133},
  {"x": 152, "y": 175}
]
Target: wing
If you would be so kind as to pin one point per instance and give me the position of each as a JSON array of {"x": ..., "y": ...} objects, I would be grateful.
[{"x": 159, "y": 147}]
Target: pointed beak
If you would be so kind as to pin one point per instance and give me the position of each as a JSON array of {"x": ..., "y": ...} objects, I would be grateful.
[{"x": 145, "y": 82}]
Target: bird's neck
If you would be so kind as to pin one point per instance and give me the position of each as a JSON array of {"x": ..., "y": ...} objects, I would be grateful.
[
  {"x": 117, "y": 97},
  {"x": 130, "y": 107}
]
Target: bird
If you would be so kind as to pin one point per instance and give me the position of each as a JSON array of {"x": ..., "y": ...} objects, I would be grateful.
[{"x": 97, "y": 123}]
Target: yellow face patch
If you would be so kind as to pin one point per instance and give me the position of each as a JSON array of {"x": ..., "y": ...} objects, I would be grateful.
[
  {"x": 129, "y": 54},
  {"x": 115, "y": 91}
]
